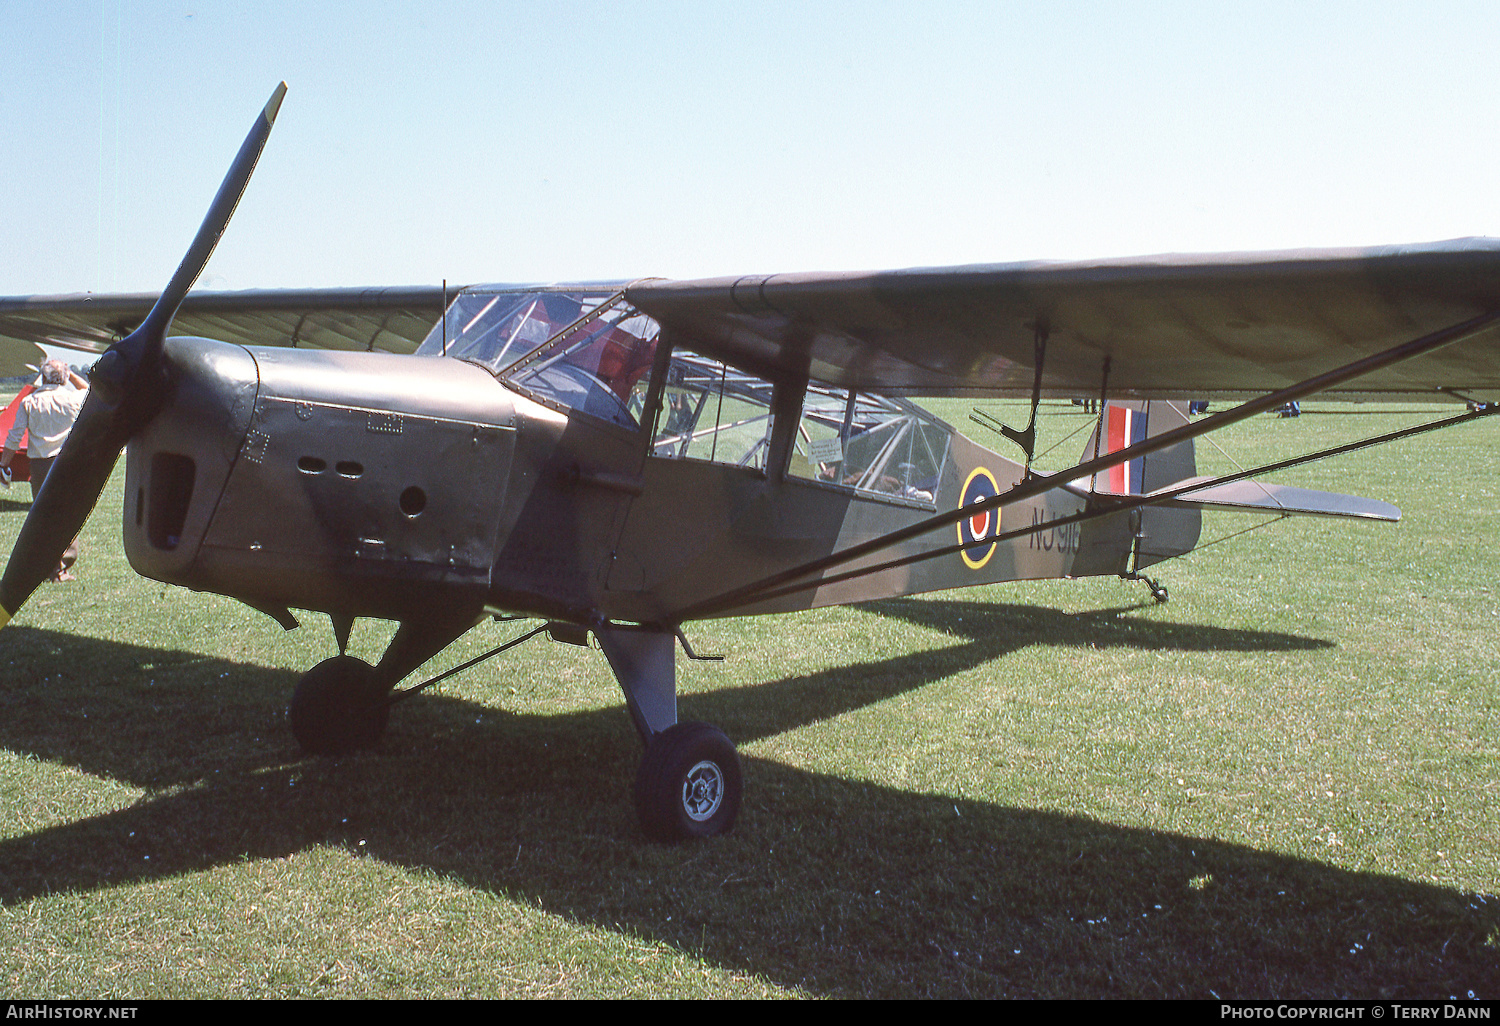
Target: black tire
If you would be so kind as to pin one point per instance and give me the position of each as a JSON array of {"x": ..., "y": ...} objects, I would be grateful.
[
  {"x": 689, "y": 784},
  {"x": 338, "y": 707}
]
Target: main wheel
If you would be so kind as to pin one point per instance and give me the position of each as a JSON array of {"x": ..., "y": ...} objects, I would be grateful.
[
  {"x": 689, "y": 784},
  {"x": 338, "y": 707}
]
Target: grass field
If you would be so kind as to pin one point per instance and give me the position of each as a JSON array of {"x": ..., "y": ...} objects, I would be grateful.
[{"x": 1284, "y": 782}]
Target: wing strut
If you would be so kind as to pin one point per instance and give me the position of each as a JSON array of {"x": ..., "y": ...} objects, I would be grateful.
[{"x": 764, "y": 588}]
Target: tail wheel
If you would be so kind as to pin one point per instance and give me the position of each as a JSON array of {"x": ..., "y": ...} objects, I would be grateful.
[
  {"x": 338, "y": 707},
  {"x": 689, "y": 784}
]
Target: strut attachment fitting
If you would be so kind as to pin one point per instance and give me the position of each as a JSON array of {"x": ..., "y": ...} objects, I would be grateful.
[{"x": 688, "y": 649}]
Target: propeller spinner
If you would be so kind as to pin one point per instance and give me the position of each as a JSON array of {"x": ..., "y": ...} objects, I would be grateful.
[{"x": 128, "y": 386}]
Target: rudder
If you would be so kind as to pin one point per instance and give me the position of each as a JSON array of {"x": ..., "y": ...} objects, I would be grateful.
[{"x": 1160, "y": 533}]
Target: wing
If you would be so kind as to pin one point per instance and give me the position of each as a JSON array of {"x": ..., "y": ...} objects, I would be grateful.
[
  {"x": 1171, "y": 326},
  {"x": 393, "y": 320}
]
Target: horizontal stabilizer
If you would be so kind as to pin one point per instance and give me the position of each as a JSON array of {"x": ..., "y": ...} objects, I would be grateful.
[{"x": 1255, "y": 496}]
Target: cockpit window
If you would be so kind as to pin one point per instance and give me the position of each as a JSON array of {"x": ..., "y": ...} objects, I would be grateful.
[
  {"x": 587, "y": 350},
  {"x": 713, "y": 412},
  {"x": 869, "y": 443}
]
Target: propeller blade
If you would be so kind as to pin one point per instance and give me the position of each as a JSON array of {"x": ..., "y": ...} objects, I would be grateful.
[
  {"x": 55, "y": 519},
  {"x": 214, "y": 223},
  {"x": 129, "y": 385}
]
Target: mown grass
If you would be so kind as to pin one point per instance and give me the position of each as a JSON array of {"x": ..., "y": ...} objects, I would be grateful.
[{"x": 1282, "y": 783}]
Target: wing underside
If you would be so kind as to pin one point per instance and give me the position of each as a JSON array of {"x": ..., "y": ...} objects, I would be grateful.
[
  {"x": 391, "y": 320},
  {"x": 1168, "y": 327},
  {"x": 1183, "y": 327}
]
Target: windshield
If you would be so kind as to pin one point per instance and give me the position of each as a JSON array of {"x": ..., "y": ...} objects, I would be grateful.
[
  {"x": 497, "y": 326},
  {"x": 584, "y": 349}
]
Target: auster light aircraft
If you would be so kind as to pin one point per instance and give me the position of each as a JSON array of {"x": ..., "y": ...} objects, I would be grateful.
[{"x": 620, "y": 460}]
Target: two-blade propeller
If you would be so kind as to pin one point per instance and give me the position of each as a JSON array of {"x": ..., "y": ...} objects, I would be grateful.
[{"x": 128, "y": 385}]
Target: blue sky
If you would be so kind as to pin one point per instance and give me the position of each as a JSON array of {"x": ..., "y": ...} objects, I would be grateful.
[{"x": 561, "y": 140}]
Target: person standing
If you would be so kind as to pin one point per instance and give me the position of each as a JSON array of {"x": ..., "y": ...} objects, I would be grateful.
[{"x": 46, "y": 417}]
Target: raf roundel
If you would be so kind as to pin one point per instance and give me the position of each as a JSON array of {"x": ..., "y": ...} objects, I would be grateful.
[{"x": 974, "y": 531}]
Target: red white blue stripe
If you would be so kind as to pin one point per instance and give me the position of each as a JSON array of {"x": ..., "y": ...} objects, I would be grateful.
[{"x": 1123, "y": 427}]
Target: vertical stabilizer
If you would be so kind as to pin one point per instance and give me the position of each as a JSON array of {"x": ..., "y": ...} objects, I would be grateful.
[{"x": 1161, "y": 533}]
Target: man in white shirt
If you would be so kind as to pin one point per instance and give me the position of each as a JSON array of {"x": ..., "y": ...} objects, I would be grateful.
[{"x": 45, "y": 417}]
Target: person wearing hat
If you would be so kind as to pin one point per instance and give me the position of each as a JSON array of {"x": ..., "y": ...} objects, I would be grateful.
[{"x": 46, "y": 417}]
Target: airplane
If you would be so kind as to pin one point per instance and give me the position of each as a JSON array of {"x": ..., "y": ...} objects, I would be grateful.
[
  {"x": 618, "y": 460},
  {"x": 20, "y": 466}
]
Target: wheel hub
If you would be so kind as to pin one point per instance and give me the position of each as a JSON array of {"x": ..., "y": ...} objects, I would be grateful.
[{"x": 702, "y": 790}]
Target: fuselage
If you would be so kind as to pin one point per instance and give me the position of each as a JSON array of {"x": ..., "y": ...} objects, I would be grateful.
[{"x": 367, "y": 484}]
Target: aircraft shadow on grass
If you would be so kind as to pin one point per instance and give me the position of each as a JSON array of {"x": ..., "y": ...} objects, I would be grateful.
[{"x": 970, "y": 898}]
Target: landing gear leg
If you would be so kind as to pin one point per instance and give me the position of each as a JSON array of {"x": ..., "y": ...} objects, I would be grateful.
[
  {"x": 1158, "y": 590},
  {"x": 689, "y": 783}
]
